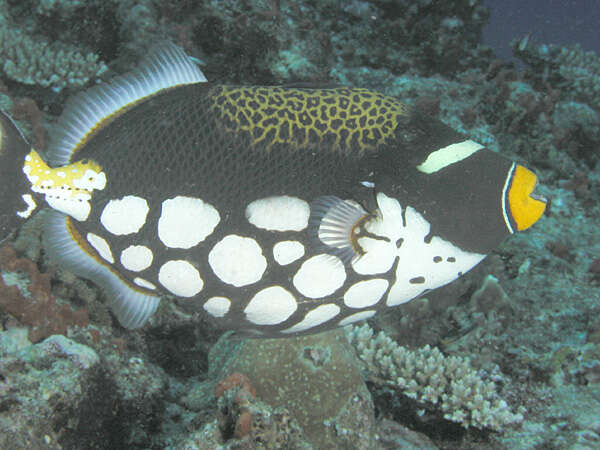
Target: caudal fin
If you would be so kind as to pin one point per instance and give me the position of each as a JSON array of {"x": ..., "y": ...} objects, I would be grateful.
[{"x": 16, "y": 200}]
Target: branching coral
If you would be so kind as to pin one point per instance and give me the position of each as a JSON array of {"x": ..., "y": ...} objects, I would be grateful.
[
  {"x": 570, "y": 67},
  {"x": 429, "y": 377},
  {"x": 46, "y": 42},
  {"x": 582, "y": 70},
  {"x": 29, "y": 61}
]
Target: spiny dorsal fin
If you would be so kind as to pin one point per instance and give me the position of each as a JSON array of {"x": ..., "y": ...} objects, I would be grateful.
[{"x": 166, "y": 66}]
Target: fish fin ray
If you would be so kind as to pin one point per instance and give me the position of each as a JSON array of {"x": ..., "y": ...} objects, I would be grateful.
[
  {"x": 332, "y": 225},
  {"x": 166, "y": 66},
  {"x": 132, "y": 308}
]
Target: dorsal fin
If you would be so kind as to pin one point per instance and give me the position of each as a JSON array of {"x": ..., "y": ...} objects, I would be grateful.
[{"x": 166, "y": 66}]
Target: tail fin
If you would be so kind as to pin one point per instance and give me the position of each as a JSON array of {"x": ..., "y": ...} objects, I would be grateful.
[{"x": 16, "y": 200}]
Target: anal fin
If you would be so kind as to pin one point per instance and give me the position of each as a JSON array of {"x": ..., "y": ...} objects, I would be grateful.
[{"x": 132, "y": 307}]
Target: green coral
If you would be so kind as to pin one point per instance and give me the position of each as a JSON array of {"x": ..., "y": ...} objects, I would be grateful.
[
  {"x": 64, "y": 7},
  {"x": 577, "y": 116},
  {"x": 574, "y": 364},
  {"x": 46, "y": 42},
  {"x": 34, "y": 62},
  {"x": 582, "y": 70},
  {"x": 427, "y": 376},
  {"x": 570, "y": 68}
]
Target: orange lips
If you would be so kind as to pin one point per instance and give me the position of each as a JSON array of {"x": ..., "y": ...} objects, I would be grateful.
[{"x": 525, "y": 207}]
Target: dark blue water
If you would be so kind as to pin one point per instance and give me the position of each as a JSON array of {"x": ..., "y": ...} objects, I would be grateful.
[{"x": 548, "y": 21}]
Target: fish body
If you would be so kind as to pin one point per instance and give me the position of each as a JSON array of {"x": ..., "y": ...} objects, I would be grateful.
[{"x": 280, "y": 210}]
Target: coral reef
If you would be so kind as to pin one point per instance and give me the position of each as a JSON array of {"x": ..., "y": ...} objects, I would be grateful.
[
  {"x": 250, "y": 421},
  {"x": 567, "y": 67},
  {"x": 38, "y": 62},
  {"x": 62, "y": 394},
  {"x": 533, "y": 328},
  {"x": 39, "y": 385},
  {"x": 563, "y": 97},
  {"x": 266, "y": 39},
  {"x": 426, "y": 375},
  {"x": 314, "y": 377},
  {"x": 25, "y": 294}
]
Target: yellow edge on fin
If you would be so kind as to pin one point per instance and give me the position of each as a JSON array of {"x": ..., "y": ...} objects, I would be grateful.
[
  {"x": 132, "y": 304},
  {"x": 166, "y": 66}
]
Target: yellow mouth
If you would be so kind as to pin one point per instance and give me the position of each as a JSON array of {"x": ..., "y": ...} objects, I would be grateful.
[{"x": 526, "y": 207}]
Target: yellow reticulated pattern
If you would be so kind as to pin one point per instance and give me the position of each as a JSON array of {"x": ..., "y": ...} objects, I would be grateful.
[{"x": 343, "y": 118}]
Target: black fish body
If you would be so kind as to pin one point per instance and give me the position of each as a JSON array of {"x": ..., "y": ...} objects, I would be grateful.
[{"x": 281, "y": 210}]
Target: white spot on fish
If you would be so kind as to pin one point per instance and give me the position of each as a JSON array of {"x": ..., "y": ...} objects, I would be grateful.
[
  {"x": 91, "y": 180},
  {"x": 319, "y": 276},
  {"x": 217, "y": 306},
  {"x": 124, "y": 216},
  {"x": 76, "y": 206},
  {"x": 380, "y": 255},
  {"x": 416, "y": 257},
  {"x": 317, "y": 316},
  {"x": 279, "y": 213},
  {"x": 365, "y": 293},
  {"x": 180, "y": 278},
  {"x": 59, "y": 174},
  {"x": 31, "y": 205},
  {"x": 378, "y": 258},
  {"x": 101, "y": 246},
  {"x": 286, "y": 252},
  {"x": 270, "y": 306},
  {"x": 362, "y": 315},
  {"x": 237, "y": 260},
  {"x": 186, "y": 221},
  {"x": 136, "y": 258},
  {"x": 144, "y": 283}
]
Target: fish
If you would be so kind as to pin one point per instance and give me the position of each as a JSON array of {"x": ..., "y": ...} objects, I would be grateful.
[{"x": 274, "y": 210}]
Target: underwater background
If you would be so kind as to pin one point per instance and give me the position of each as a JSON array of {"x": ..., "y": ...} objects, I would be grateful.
[{"x": 508, "y": 356}]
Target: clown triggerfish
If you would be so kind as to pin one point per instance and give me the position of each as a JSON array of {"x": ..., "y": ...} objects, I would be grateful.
[{"x": 278, "y": 210}]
